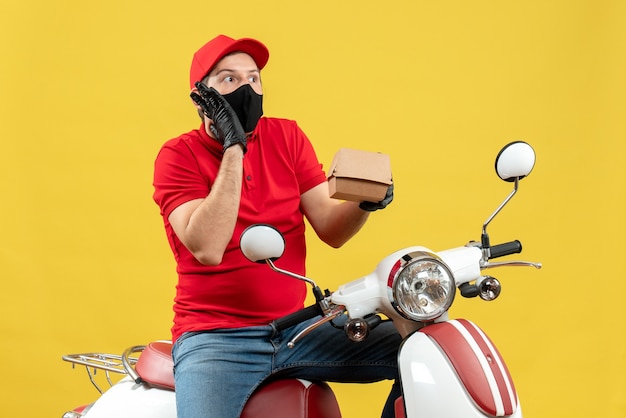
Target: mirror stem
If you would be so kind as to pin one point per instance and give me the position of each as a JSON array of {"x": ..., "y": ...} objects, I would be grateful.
[
  {"x": 493, "y": 215},
  {"x": 290, "y": 274},
  {"x": 486, "y": 245}
]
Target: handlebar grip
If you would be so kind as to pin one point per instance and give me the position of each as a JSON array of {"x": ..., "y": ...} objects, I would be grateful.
[
  {"x": 512, "y": 247},
  {"x": 297, "y": 317}
]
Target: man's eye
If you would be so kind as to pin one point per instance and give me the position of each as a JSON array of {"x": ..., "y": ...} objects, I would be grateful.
[
  {"x": 229, "y": 79},
  {"x": 252, "y": 79}
]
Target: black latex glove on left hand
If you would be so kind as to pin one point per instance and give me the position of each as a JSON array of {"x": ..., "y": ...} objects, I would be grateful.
[
  {"x": 226, "y": 126},
  {"x": 373, "y": 206}
]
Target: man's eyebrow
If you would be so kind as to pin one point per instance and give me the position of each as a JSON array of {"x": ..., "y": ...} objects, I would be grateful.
[{"x": 230, "y": 70}]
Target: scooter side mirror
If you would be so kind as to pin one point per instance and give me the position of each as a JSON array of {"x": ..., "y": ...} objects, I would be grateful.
[
  {"x": 261, "y": 242},
  {"x": 515, "y": 161}
]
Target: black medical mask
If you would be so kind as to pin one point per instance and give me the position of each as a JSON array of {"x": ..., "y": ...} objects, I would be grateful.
[{"x": 247, "y": 104}]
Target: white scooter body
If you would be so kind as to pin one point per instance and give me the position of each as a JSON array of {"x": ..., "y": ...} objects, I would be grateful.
[
  {"x": 127, "y": 399},
  {"x": 451, "y": 369}
]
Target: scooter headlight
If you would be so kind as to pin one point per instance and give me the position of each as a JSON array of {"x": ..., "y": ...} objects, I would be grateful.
[{"x": 421, "y": 286}]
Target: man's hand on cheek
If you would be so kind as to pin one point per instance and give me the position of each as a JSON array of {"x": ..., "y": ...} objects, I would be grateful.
[{"x": 226, "y": 126}]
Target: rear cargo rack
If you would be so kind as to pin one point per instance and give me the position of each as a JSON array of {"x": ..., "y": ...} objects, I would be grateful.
[{"x": 110, "y": 363}]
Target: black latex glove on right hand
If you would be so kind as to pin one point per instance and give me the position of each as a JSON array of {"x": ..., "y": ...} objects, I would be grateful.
[
  {"x": 373, "y": 206},
  {"x": 226, "y": 126}
]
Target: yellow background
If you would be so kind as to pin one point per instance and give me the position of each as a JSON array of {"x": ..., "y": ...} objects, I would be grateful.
[{"x": 89, "y": 90}]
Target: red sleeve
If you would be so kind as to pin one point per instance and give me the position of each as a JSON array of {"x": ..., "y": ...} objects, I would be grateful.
[
  {"x": 177, "y": 178},
  {"x": 310, "y": 172}
]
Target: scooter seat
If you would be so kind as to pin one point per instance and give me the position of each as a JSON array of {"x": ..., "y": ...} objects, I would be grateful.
[
  {"x": 292, "y": 398},
  {"x": 282, "y": 398},
  {"x": 155, "y": 365}
]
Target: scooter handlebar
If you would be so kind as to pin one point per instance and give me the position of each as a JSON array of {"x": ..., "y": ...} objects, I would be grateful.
[
  {"x": 297, "y": 317},
  {"x": 500, "y": 250}
]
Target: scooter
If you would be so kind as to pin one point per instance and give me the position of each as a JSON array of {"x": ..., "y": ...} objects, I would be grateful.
[{"x": 448, "y": 367}]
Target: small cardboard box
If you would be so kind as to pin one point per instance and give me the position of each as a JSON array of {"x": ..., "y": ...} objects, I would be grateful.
[{"x": 359, "y": 175}]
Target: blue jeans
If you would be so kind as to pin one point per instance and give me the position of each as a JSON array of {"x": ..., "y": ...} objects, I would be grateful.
[{"x": 217, "y": 371}]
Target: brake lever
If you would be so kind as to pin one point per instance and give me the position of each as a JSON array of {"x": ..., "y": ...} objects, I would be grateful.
[
  {"x": 490, "y": 264},
  {"x": 333, "y": 313}
]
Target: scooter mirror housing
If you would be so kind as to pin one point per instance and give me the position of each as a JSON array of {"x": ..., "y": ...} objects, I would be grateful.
[
  {"x": 261, "y": 242},
  {"x": 515, "y": 161}
]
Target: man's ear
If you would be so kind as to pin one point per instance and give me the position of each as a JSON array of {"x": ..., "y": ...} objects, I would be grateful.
[
  {"x": 192, "y": 100},
  {"x": 196, "y": 105}
]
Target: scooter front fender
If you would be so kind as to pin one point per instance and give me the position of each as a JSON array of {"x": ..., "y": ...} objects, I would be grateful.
[
  {"x": 452, "y": 369},
  {"x": 127, "y": 399}
]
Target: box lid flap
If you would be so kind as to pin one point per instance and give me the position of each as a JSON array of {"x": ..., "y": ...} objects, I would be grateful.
[{"x": 358, "y": 164}]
